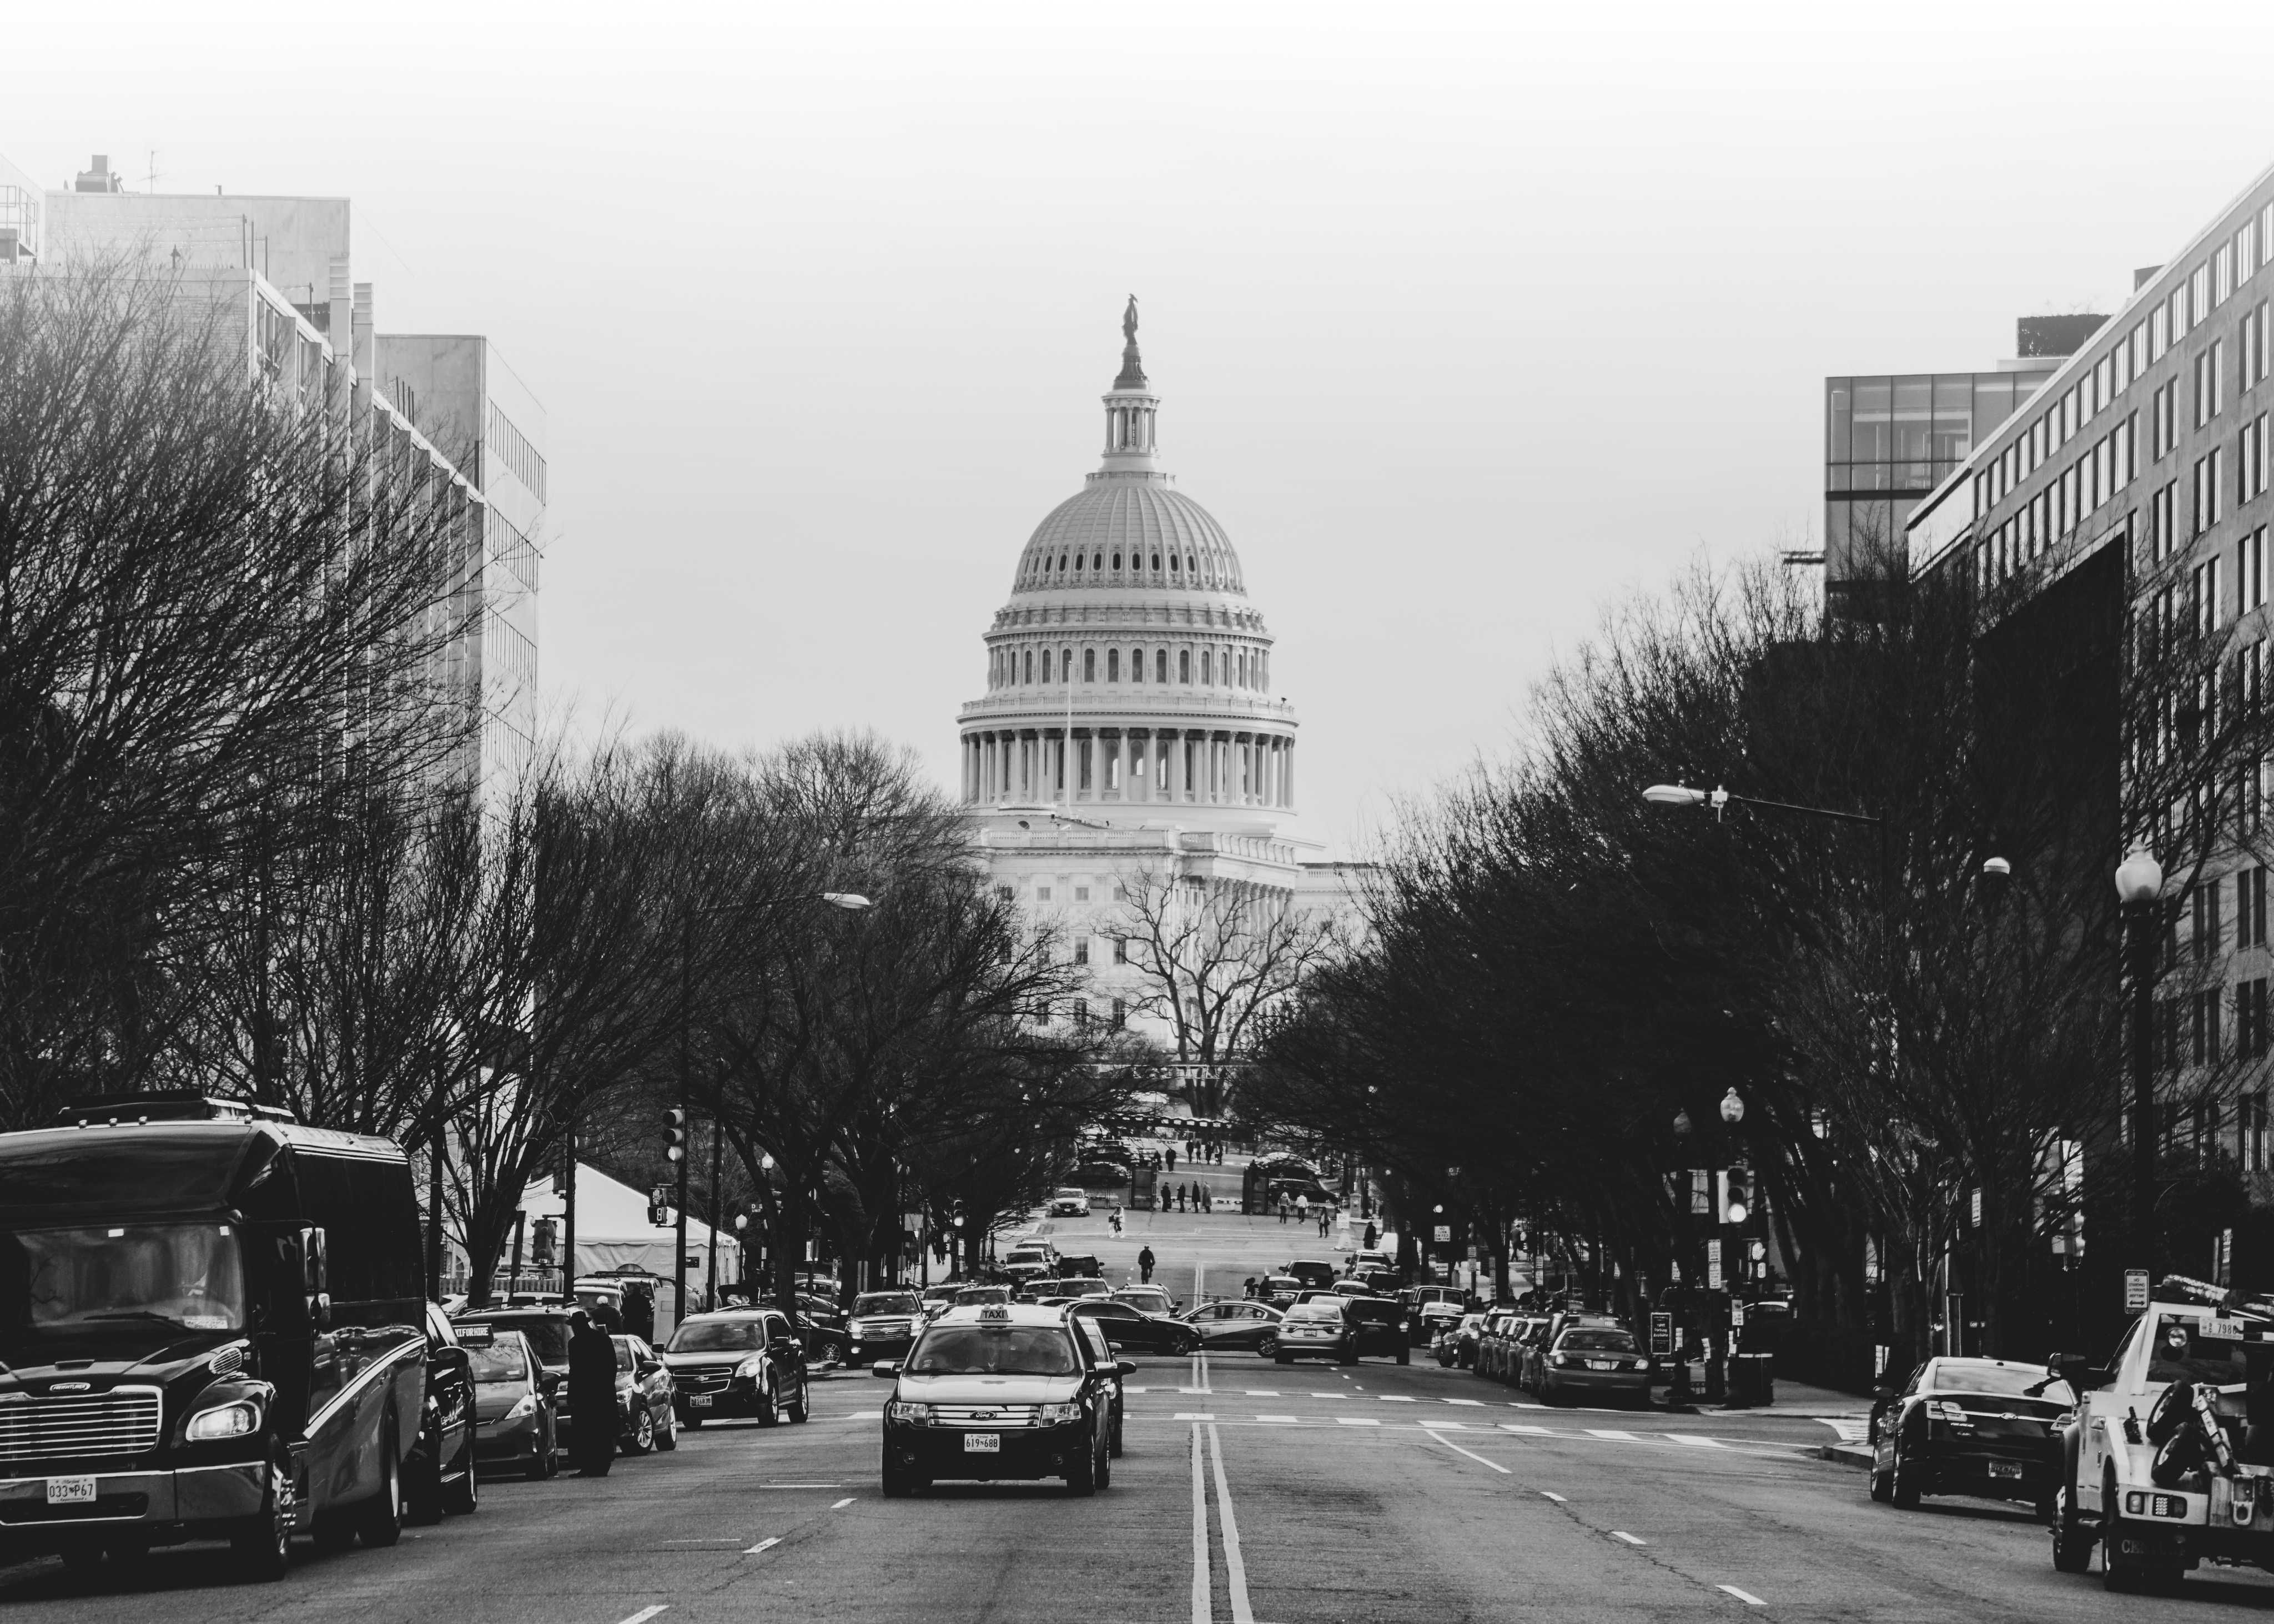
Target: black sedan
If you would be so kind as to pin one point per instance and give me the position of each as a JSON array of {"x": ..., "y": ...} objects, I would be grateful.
[
  {"x": 742, "y": 1362},
  {"x": 1126, "y": 1327},
  {"x": 1986, "y": 1427},
  {"x": 1245, "y": 1328}
]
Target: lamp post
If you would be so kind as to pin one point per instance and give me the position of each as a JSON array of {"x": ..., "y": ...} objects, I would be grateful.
[
  {"x": 2139, "y": 886},
  {"x": 851, "y": 902}
]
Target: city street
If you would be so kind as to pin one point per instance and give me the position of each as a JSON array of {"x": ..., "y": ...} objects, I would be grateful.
[
  {"x": 1373, "y": 1493},
  {"x": 1249, "y": 1492}
]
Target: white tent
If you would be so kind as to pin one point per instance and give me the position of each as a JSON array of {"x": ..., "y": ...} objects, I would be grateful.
[{"x": 612, "y": 1231}]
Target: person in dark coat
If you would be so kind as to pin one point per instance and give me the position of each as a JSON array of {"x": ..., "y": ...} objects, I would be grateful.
[
  {"x": 1145, "y": 1265},
  {"x": 591, "y": 1396}
]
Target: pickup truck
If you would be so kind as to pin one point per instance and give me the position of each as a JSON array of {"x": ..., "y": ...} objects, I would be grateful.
[{"x": 2168, "y": 1461}]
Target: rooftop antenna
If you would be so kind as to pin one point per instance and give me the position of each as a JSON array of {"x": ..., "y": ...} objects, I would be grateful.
[{"x": 151, "y": 177}]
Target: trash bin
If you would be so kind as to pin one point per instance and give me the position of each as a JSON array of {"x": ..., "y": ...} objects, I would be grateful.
[{"x": 1752, "y": 1378}]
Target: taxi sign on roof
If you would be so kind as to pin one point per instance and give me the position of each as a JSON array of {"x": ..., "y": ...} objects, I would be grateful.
[{"x": 994, "y": 1311}]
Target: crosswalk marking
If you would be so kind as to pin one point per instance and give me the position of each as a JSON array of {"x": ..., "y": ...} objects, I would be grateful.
[
  {"x": 1610, "y": 1431},
  {"x": 1190, "y": 1415},
  {"x": 1282, "y": 1420},
  {"x": 1260, "y": 1393},
  {"x": 1518, "y": 1426},
  {"x": 1355, "y": 1421},
  {"x": 1477, "y": 1401},
  {"x": 1696, "y": 1442}
]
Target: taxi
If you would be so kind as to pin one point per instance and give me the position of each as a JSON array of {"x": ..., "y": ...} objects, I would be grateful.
[{"x": 998, "y": 1391}]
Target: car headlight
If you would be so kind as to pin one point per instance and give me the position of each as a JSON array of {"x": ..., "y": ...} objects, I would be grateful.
[
  {"x": 750, "y": 1367},
  {"x": 523, "y": 1409},
  {"x": 1056, "y": 1414},
  {"x": 906, "y": 1410},
  {"x": 233, "y": 1420}
]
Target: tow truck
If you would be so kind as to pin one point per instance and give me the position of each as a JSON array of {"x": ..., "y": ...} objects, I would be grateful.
[{"x": 2168, "y": 1461}]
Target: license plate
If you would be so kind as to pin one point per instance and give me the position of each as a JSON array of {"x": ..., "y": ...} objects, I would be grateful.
[
  {"x": 2005, "y": 1468},
  {"x": 983, "y": 1443},
  {"x": 698, "y": 1400},
  {"x": 1602, "y": 1365},
  {"x": 71, "y": 1491}
]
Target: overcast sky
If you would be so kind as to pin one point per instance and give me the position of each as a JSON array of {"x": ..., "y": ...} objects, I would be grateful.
[{"x": 1467, "y": 321}]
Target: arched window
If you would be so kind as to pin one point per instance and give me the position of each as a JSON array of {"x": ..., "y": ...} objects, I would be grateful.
[
  {"x": 1061, "y": 563},
  {"x": 1172, "y": 563},
  {"x": 1065, "y": 663},
  {"x": 1090, "y": 665},
  {"x": 1077, "y": 562},
  {"x": 1097, "y": 561},
  {"x": 1156, "y": 562},
  {"x": 1160, "y": 664},
  {"x": 1243, "y": 669},
  {"x": 1208, "y": 669},
  {"x": 1030, "y": 664},
  {"x": 1113, "y": 665},
  {"x": 1136, "y": 664},
  {"x": 1117, "y": 560},
  {"x": 1046, "y": 665},
  {"x": 1183, "y": 655}
]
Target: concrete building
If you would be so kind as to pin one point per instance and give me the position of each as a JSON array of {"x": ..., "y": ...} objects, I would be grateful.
[
  {"x": 286, "y": 265},
  {"x": 1129, "y": 739}
]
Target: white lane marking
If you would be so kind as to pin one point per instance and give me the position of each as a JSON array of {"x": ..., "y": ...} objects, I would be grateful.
[
  {"x": 1614, "y": 1432},
  {"x": 1193, "y": 1415},
  {"x": 1322, "y": 1395},
  {"x": 1282, "y": 1420},
  {"x": 1518, "y": 1426},
  {"x": 1355, "y": 1421},
  {"x": 1629, "y": 1538},
  {"x": 1472, "y": 1454},
  {"x": 645, "y": 1613},
  {"x": 801, "y": 1485},
  {"x": 1558, "y": 1498},
  {"x": 763, "y": 1544},
  {"x": 1477, "y": 1401},
  {"x": 1203, "y": 1610},
  {"x": 1395, "y": 1398},
  {"x": 1517, "y": 1404},
  {"x": 1746, "y": 1596},
  {"x": 1259, "y": 1392},
  {"x": 719, "y": 1539},
  {"x": 1695, "y": 1441},
  {"x": 1191, "y": 1389},
  {"x": 1235, "y": 1570},
  {"x": 842, "y": 1504}
]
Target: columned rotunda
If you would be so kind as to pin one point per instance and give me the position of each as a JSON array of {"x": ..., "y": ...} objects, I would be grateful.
[
  {"x": 1129, "y": 674},
  {"x": 1130, "y": 739}
]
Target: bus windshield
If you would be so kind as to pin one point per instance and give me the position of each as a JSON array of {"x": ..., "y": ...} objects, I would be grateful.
[{"x": 61, "y": 1281}]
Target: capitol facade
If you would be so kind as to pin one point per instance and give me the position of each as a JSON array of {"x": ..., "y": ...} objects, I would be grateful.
[{"x": 1129, "y": 736}]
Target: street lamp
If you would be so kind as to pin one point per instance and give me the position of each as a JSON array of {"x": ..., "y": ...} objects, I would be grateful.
[
  {"x": 1733, "y": 1109},
  {"x": 2139, "y": 888}
]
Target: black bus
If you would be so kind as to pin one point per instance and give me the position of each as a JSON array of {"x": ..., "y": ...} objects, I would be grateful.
[{"x": 211, "y": 1325}]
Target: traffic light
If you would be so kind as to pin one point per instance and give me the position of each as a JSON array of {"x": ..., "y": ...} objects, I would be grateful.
[
  {"x": 1736, "y": 1196},
  {"x": 675, "y": 1134}
]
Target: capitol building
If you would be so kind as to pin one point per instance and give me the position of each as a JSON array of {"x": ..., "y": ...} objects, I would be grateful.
[{"x": 1129, "y": 739}]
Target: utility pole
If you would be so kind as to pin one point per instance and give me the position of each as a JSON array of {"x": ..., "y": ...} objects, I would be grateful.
[{"x": 717, "y": 1140}]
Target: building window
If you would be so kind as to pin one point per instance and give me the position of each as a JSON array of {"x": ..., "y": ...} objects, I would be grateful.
[
  {"x": 2203, "y": 1027},
  {"x": 1046, "y": 665},
  {"x": 2253, "y": 1126},
  {"x": 2158, "y": 330},
  {"x": 1090, "y": 665},
  {"x": 1184, "y": 661},
  {"x": 2250, "y": 907},
  {"x": 1003, "y": 894},
  {"x": 2203, "y": 937},
  {"x": 1113, "y": 665},
  {"x": 1042, "y": 893},
  {"x": 1120, "y": 1014},
  {"x": 1081, "y": 894},
  {"x": 1121, "y": 949},
  {"x": 1082, "y": 950},
  {"x": 2223, "y": 273},
  {"x": 2203, "y": 408},
  {"x": 1160, "y": 664},
  {"x": 2250, "y": 570},
  {"x": 2162, "y": 520},
  {"x": 1208, "y": 665},
  {"x": 2206, "y": 603},
  {"x": 1136, "y": 664},
  {"x": 1081, "y": 1014}
]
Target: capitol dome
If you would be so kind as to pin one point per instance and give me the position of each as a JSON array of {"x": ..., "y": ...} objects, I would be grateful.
[{"x": 1128, "y": 675}]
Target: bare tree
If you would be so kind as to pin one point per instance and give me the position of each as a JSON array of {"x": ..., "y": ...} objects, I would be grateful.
[{"x": 1219, "y": 958}]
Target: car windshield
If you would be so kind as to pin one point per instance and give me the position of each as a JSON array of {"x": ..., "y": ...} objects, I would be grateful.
[
  {"x": 717, "y": 1336},
  {"x": 1954, "y": 1376},
  {"x": 993, "y": 1351},
  {"x": 1599, "y": 1341},
  {"x": 1323, "y": 1308},
  {"x": 65, "y": 1281},
  {"x": 982, "y": 1294},
  {"x": 884, "y": 1302},
  {"x": 498, "y": 1362},
  {"x": 2187, "y": 1350}
]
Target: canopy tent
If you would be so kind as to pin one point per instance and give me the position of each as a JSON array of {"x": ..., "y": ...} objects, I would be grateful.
[{"x": 612, "y": 1231}]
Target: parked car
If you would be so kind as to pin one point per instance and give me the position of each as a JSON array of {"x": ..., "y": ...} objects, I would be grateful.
[
  {"x": 514, "y": 1425},
  {"x": 936, "y": 1298},
  {"x": 884, "y": 1325},
  {"x": 1599, "y": 1362},
  {"x": 647, "y": 1416},
  {"x": 1464, "y": 1337},
  {"x": 1237, "y": 1326},
  {"x": 741, "y": 1362},
  {"x": 1102, "y": 1175},
  {"x": 1433, "y": 1317},
  {"x": 1986, "y": 1427},
  {"x": 1128, "y": 1328},
  {"x": 438, "y": 1475}
]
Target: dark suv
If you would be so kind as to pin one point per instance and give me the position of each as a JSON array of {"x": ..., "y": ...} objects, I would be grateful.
[{"x": 742, "y": 1362}]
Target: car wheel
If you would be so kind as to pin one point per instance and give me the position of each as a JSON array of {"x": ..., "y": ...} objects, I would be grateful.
[
  {"x": 545, "y": 1457},
  {"x": 1268, "y": 1344},
  {"x": 464, "y": 1498},
  {"x": 667, "y": 1431},
  {"x": 803, "y": 1406},
  {"x": 642, "y": 1437},
  {"x": 1081, "y": 1482},
  {"x": 1905, "y": 1493},
  {"x": 1105, "y": 1465},
  {"x": 1113, "y": 1443},
  {"x": 1882, "y": 1485},
  {"x": 262, "y": 1548},
  {"x": 2072, "y": 1545},
  {"x": 382, "y": 1522},
  {"x": 769, "y": 1409}
]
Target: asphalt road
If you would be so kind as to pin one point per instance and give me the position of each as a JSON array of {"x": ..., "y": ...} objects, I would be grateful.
[{"x": 1249, "y": 1492}]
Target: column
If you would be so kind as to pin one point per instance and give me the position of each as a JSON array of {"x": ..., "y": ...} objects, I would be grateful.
[
  {"x": 1174, "y": 743},
  {"x": 1290, "y": 774},
  {"x": 1141, "y": 742}
]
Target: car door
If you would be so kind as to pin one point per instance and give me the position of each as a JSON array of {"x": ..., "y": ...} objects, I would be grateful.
[{"x": 787, "y": 1354}]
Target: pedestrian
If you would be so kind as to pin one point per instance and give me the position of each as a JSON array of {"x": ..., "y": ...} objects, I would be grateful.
[
  {"x": 1145, "y": 1266},
  {"x": 591, "y": 1396},
  {"x": 1114, "y": 1220},
  {"x": 1371, "y": 1238},
  {"x": 1248, "y": 1289},
  {"x": 1207, "y": 1199},
  {"x": 1172, "y": 1158},
  {"x": 1303, "y": 1207},
  {"x": 1322, "y": 1223},
  {"x": 1284, "y": 1209}
]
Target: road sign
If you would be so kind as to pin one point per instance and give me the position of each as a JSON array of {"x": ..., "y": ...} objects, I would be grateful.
[
  {"x": 1713, "y": 1266},
  {"x": 2135, "y": 1290},
  {"x": 1661, "y": 1334},
  {"x": 1445, "y": 1233}
]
